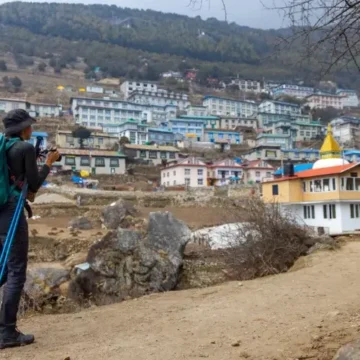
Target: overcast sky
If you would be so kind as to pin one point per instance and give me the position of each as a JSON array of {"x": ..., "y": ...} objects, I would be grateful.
[{"x": 244, "y": 12}]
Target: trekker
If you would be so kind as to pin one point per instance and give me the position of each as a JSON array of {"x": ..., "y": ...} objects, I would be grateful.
[{"x": 21, "y": 160}]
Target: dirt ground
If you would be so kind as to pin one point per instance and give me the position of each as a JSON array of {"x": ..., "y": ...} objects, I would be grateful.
[{"x": 304, "y": 314}]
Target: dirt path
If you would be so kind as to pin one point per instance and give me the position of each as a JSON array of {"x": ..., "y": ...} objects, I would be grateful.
[{"x": 304, "y": 314}]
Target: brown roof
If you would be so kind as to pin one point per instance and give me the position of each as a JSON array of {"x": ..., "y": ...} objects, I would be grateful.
[
  {"x": 151, "y": 147},
  {"x": 87, "y": 152}
]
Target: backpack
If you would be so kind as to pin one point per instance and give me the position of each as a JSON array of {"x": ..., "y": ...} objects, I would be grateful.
[{"x": 5, "y": 188}]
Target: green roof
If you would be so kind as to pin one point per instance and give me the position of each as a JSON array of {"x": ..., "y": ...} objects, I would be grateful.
[
  {"x": 273, "y": 136},
  {"x": 199, "y": 117},
  {"x": 316, "y": 124}
]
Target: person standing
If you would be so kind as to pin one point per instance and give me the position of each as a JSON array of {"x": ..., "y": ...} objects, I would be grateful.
[{"x": 22, "y": 165}]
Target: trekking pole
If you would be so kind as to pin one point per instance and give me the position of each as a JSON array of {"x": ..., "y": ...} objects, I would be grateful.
[{"x": 12, "y": 230}]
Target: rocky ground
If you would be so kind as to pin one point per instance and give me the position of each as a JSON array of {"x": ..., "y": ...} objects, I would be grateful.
[{"x": 304, "y": 314}]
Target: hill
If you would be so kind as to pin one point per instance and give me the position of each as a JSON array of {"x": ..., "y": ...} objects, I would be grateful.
[{"x": 142, "y": 44}]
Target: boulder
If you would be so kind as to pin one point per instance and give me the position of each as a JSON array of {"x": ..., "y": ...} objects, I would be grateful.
[
  {"x": 115, "y": 214},
  {"x": 81, "y": 223},
  {"x": 125, "y": 265},
  {"x": 349, "y": 351}
]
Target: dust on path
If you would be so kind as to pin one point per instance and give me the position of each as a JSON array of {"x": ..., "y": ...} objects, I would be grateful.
[{"x": 307, "y": 313}]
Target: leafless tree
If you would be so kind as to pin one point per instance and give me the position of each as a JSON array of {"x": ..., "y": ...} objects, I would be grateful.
[
  {"x": 198, "y": 4},
  {"x": 327, "y": 31}
]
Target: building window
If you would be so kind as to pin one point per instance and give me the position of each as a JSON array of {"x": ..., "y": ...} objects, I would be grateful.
[
  {"x": 200, "y": 172},
  {"x": 187, "y": 171},
  {"x": 275, "y": 189},
  {"x": 99, "y": 162},
  {"x": 85, "y": 161},
  {"x": 257, "y": 174},
  {"x": 143, "y": 153},
  {"x": 174, "y": 182},
  {"x": 187, "y": 181},
  {"x": 309, "y": 212},
  {"x": 114, "y": 162},
  {"x": 153, "y": 154},
  {"x": 163, "y": 155},
  {"x": 329, "y": 211},
  {"x": 304, "y": 186},
  {"x": 200, "y": 181},
  {"x": 172, "y": 155},
  {"x": 354, "y": 211},
  {"x": 69, "y": 160},
  {"x": 350, "y": 184},
  {"x": 100, "y": 140}
]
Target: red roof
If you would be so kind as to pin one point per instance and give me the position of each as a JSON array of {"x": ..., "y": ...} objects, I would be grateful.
[{"x": 326, "y": 171}]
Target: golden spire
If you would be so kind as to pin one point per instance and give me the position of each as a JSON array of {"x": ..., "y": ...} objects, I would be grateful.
[{"x": 330, "y": 148}]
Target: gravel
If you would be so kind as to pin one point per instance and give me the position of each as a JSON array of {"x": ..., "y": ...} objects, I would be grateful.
[{"x": 52, "y": 199}]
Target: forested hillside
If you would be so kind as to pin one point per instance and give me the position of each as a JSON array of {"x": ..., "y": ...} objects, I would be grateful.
[{"x": 141, "y": 44}]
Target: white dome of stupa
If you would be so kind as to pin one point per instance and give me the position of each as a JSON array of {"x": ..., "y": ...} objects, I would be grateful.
[{"x": 324, "y": 163}]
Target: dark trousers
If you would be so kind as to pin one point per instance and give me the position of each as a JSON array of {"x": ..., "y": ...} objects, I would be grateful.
[{"x": 15, "y": 274}]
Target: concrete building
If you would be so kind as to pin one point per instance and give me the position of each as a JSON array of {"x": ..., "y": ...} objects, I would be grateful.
[
  {"x": 127, "y": 87},
  {"x": 97, "y": 140},
  {"x": 283, "y": 140},
  {"x": 346, "y": 130},
  {"x": 192, "y": 128},
  {"x": 325, "y": 100},
  {"x": 222, "y": 136},
  {"x": 230, "y": 122},
  {"x": 136, "y": 132},
  {"x": 248, "y": 85},
  {"x": 44, "y": 110},
  {"x": 279, "y": 107},
  {"x": 187, "y": 172},
  {"x": 229, "y": 107},
  {"x": 350, "y": 97},
  {"x": 296, "y": 91},
  {"x": 161, "y": 136},
  {"x": 7, "y": 105},
  {"x": 325, "y": 198},
  {"x": 151, "y": 153},
  {"x": 196, "y": 110},
  {"x": 95, "y": 89},
  {"x": 257, "y": 171},
  {"x": 224, "y": 172},
  {"x": 160, "y": 97},
  {"x": 97, "y": 162},
  {"x": 266, "y": 118}
]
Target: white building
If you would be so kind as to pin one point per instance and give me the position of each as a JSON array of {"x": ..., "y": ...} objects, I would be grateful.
[
  {"x": 196, "y": 110},
  {"x": 229, "y": 107},
  {"x": 346, "y": 129},
  {"x": 325, "y": 100},
  {"x": 296, "y": 91},
  {"x": 232, "y": 122},
  {"x": 152, "y": 154},
  {"x": 95, "y": 89},
  {"x": 160, "y": 97},
  {"x": 350, "y": 97},
  {"x": 7, "y": 105},
  {"x": 127, "y": 87},
  {"x": 172, "y": 74},
  {"x": 44, "y": 110},
  {"x": 187, "y": 172},
  {"x": 96, "y": 162},
  {"x": 279, "y": 107},
  {"x": 223, "y": 172},
  {"x": 248, "y": 85},
  {"x": 136, "y": 132},
  {"x": 257, "y": 171}
]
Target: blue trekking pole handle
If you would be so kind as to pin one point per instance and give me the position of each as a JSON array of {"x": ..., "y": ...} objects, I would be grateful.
[{"x": 12, "y": 230}]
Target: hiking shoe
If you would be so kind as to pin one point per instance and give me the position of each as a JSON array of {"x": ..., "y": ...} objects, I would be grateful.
[{"x": 15, "y": 338}]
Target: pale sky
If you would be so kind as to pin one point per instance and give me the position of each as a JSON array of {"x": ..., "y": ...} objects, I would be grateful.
[{"x": 244, "y": 12}]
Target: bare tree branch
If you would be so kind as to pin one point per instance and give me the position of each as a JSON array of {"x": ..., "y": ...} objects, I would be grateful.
[{"x": 198, "y": 4}]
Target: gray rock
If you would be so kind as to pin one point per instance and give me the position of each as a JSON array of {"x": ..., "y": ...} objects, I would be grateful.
[
  {"x": 349, "y": 351},
  {"x": 81, "y": 223},
  {"x": 124, "y": 265},
  {"x": 115, "y": 214}
]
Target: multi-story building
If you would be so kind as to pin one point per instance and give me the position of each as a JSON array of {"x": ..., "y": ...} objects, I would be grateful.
[
  {"x": 257, "y": 171},
  {"x": 151, "y": 153},
  {"x": 196, "y": 110},
  {"x": 7, "y": 105},
  {"x": 187, "y": 172},
  {"x": 127, "y": 87},
  {"x": 187, "y": 127},
  {"x": 350, "y": 97},
  {"x": 323, "y": 100},
  {"x": 95, "y": 162},
  {"x": 209, "y": 121},
  {"x": 44, "y": 110},
  {"x": 161, "y": 136},
  {"x": 296, "y": 91},
  {"x": 279, "y": 107},
  {"x": 283, "y": 140},
  {"x": 248, "y": 85},
  {"x": 230, "y": 122},
  {"x": 346, "y": 130},
  {"x": 223, "y": 172},
  {"x": 326, "y": 197},
  {"x": 265, "y": 118},
  {"x": 300, "y": 155},
  {"x": 160, "y": 97},
  {"x": 136, "y": 132},
  {"x": 222, "y": 136},
  {"x": 95, "y": 89},
  {"x": 97, "y": 140},
  {"x": 229, "y": 107}
]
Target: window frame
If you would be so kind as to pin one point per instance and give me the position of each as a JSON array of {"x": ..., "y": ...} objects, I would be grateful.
[
  {"x": 97, "y": 160},
  {"x": 117, "y": 164},
  {"x": 71, "y": 163},
  {"x": 82, "y": 158},
  {"x": 275, "y": 189}
]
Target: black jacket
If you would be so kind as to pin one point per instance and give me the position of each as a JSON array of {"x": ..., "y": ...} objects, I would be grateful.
[{"x": 21, "y": 159}]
